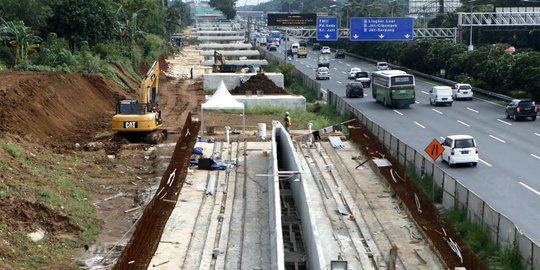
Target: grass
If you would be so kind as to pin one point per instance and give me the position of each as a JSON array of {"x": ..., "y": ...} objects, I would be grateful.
[
  {"x": 45, "y": 178},
  {"x": 479, "y": 240},
  {"x": 425, "y": 183}
]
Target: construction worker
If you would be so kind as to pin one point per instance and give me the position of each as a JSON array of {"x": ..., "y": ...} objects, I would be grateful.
[{"x": 287, "y": 121}]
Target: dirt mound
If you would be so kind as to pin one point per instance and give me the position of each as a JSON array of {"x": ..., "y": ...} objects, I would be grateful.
[
  {"x": 22, "y": 214},
  {"x": 256, "y": 83},
  {"x": 57, "y": 108}
]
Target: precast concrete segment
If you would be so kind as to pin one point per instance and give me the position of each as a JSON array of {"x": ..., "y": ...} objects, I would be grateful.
[{"x": 144, "y": 242}]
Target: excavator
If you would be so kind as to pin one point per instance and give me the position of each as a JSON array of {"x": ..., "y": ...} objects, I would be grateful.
[{"x": 140, "y": 120}]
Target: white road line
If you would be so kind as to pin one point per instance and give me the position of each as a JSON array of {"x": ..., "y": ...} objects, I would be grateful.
[
  {"x": 537, "y": 134},
  {"x": 504, "y": 122},
  {"x": 396, "y": 111},
  {"x": 487, "y": 164},
  {"x": 535, "y": 156},
  {"x": 339, "y": 82},
  {"x": 419, "y": 124},
  {"x": 439, "y": 112},
  {"x": 472, "y": 110},
  {"x": 463, "y": 123},
  {"x": 348, "y": 65},
  {"x": 442, "y": 138},
  {"x": 497, "y": 139},
  {"x": 344, "y": 72},
  {"x": 530, "y": 188},
  {"x": 424, "y": 92},
  {"x": 417, "y": 102},
  {"x": 335, "y": 68},
  {"x": 340, "y": 62}
]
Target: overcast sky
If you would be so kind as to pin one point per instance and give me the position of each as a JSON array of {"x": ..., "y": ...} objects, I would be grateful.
[{"x": 250, "y": 2}]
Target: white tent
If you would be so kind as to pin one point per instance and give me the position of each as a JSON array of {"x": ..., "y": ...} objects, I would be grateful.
[{"x": 222, "y": 100}]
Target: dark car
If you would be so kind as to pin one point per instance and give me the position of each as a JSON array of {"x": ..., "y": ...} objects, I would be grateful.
[
  {"x": 340, "y": 53},
  {"x": 317, "y": 46},
  {"x": 303, "y": 42},
  {"x": 363, "y": 77},
  {"x": 354, "y": 90},
  {"x": 521, "y": 108},
  {"x": 272, "y": 48}
]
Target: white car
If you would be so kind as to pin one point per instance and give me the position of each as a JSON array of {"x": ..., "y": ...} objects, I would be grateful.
[
  {"x": 325, "y": 50},
  {"x": 353, "y": 71},
  {"x": 462, "y": 91},
  {"x": 460, "y": 149},
  {"x": 323, "y": 73},
  {"x": 382, "y": 66}
]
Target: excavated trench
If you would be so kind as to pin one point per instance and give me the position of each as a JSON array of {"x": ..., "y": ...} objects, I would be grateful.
[{"x": 433, "y": 225}]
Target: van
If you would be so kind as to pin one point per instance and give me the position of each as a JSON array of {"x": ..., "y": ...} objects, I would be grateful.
[
  {"x": 440, "y": 95},
  {"x": 323, "y": 61},
  {"x": 460, "y": 149},
  {"x": 294, "y": 48}
]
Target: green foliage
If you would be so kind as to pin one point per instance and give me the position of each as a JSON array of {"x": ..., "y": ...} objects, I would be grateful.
[
  {"x": 479, "y": 240},
  {"x": 425, "y": 183},
  {"x": 83, "y": 21},
  {"x": 88, "y": 62},
  {"x": 225, "y": 6},
  {"x": 153, "y": 47},
  {"x": 13, "y": 150}
]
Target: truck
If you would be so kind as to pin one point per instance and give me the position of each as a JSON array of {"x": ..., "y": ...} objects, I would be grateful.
[
  {"x": 323, "y": 61},
  {"x": 302, "y": 52}
]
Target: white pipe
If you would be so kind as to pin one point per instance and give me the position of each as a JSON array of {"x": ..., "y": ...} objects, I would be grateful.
[{"x": 227, "y": 131}]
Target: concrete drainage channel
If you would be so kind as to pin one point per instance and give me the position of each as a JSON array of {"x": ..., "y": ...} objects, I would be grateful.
[{"x": 293, "y": 244}]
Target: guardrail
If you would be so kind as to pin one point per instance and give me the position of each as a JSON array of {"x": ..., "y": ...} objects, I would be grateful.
[{"x": 502, "y": 230}]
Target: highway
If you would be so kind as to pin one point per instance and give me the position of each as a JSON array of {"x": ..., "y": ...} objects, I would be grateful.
[{"x": 506, "y": 177}]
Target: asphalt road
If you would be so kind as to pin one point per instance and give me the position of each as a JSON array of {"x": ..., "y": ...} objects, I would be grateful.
[{"x": 507, "y": 176}]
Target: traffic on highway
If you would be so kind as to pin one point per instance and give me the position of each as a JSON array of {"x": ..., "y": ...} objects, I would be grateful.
[{"x": 507, "y": 147}]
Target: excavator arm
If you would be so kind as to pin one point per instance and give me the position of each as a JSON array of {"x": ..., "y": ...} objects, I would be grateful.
[{"x": 149, "y": 89}]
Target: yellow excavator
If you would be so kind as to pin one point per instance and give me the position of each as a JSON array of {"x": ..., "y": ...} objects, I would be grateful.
[{"x": 140, "y": 120}]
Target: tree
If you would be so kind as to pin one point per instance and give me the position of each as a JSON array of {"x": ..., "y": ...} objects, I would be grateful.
[
  {"x": 79, "y": 21},
  {"x": 34, "y": 13},
  {"x": 19, "y": 36},
  {"x": 225, "y": 6}
]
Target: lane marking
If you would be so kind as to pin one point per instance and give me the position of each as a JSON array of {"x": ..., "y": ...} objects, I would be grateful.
[
  {"x": 504, "y": 122},
  {"x": 340, "y": 62},
  {"x": 396, "y": 111},
  {"x": 529, "y": 188},
  {"x": 339, "y": 82},
  {"x": 497, "y": 139},
  {"x": 344, "y": 72},
  {"x": 419, "y": 124},
  {"x": 535, "y": 156},
  {"x": 335, "y": 68},
  {"x": 472, "y": 110},
  {"x": 442, "y": 138},
  {"x": 487, "y": 164},
  {"x": 463, "y": 123},
  {"x": 417, "y": 102},
  {"x": 439, "y": 112},
  {"x": 537, "y": 134},
  {"x": 348, "y": 65},
  {"x": 424, "y": 92}
]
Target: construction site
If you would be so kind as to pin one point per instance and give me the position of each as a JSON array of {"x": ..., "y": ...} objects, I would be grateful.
[{"x": 224, "y": 190}]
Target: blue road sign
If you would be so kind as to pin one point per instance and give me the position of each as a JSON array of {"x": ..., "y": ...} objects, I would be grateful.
[
  {"x": 327, "y": 29},
  {"x": 381, "y": 29}
]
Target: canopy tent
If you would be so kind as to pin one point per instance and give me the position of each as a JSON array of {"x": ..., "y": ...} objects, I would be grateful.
[{"x": 222, "y": 100}]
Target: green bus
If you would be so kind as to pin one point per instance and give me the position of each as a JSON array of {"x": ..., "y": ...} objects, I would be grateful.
[{"x": 393, "y": 88}]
